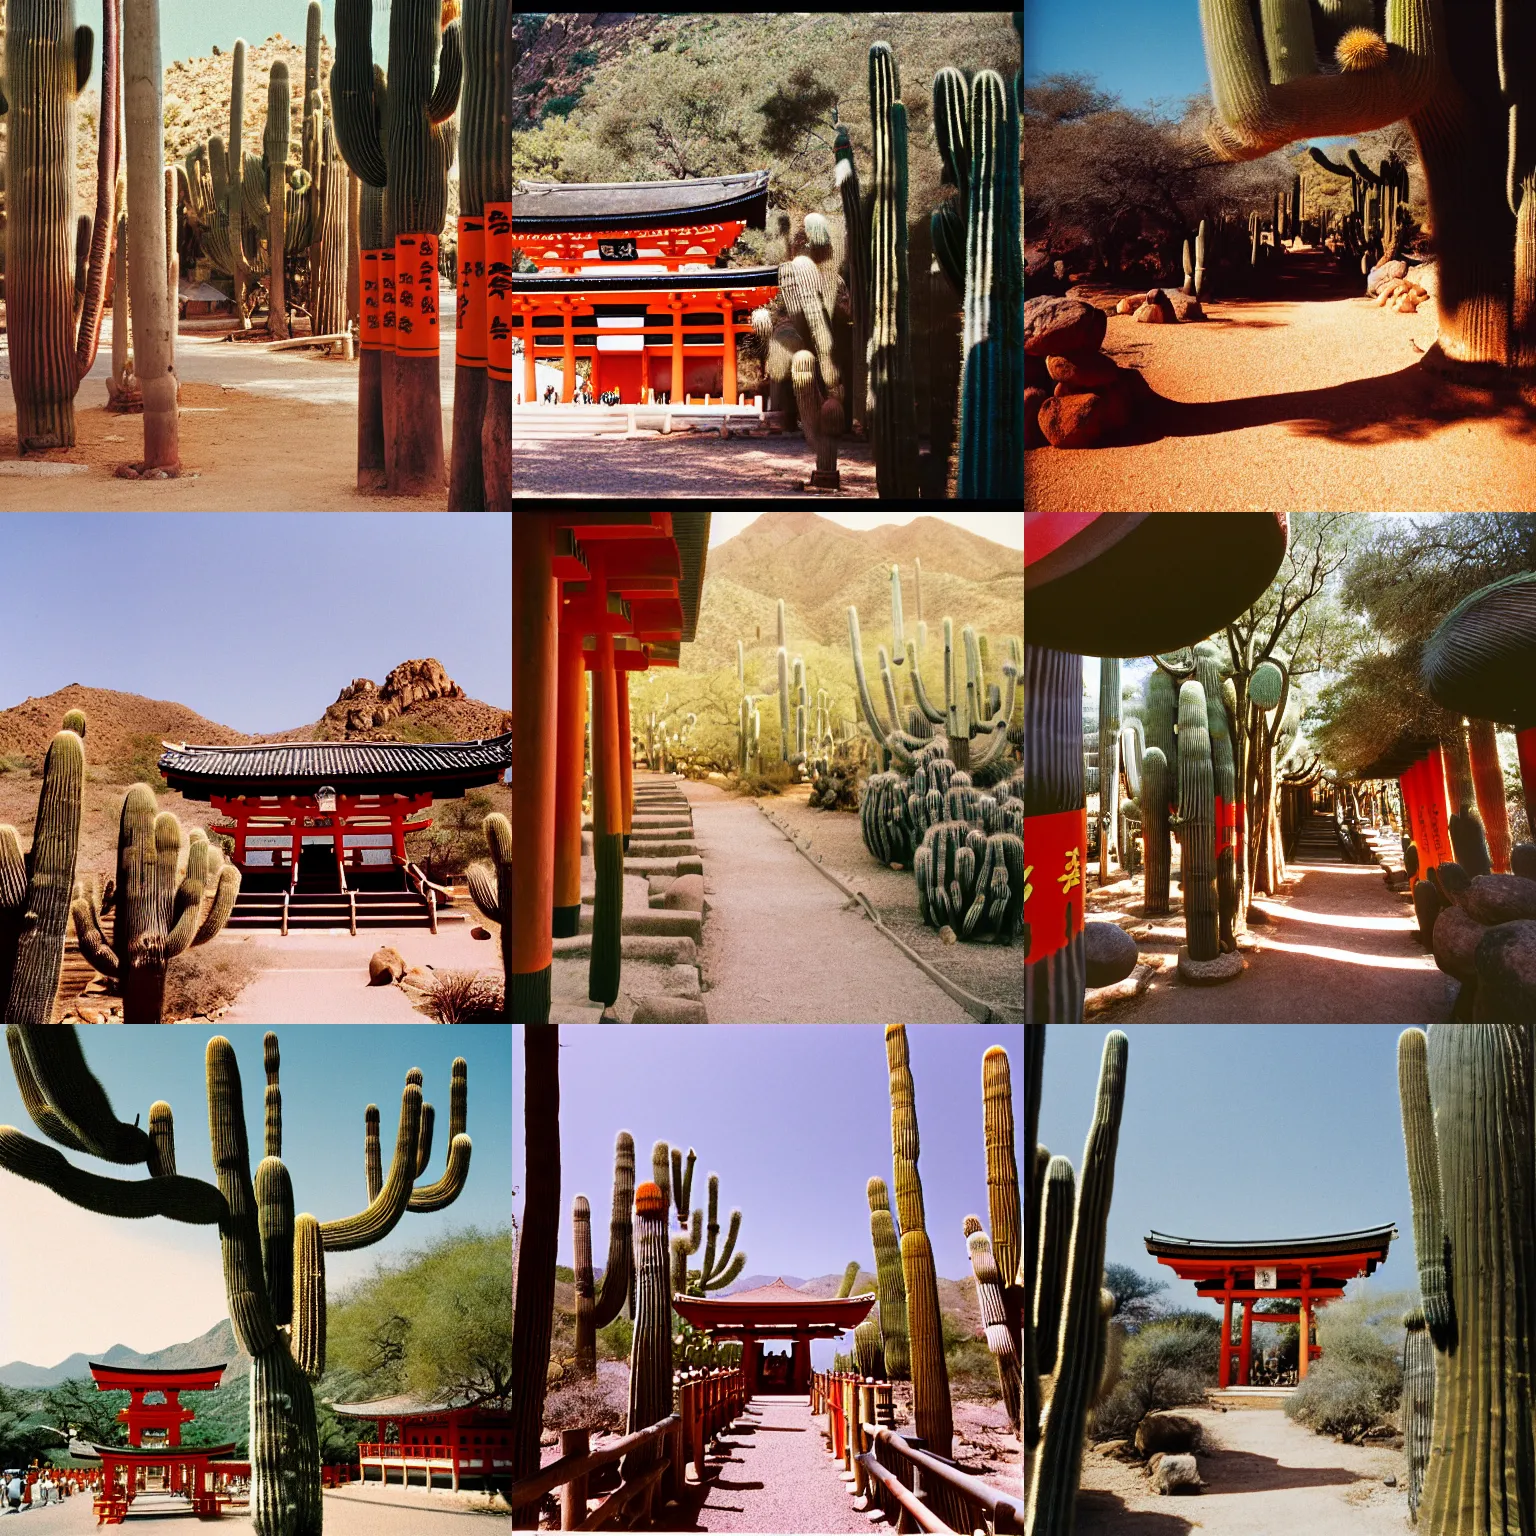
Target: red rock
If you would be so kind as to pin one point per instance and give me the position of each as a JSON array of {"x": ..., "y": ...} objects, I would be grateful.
[
  {"x": 1034, "y": 398},
  {"x": 1150, "y": 314},
  {"x": 1037, "y": 371},
  {"x": 1129, "y": 304},
  {"x": 1055, "y": 326},
  {"x": 1088, "y": 369},
  {"x": 1081, "y": 420}
]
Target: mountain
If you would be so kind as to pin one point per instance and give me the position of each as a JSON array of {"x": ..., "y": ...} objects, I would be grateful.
[
  {"x": 751, "y": 1282},
  {"x": 215, "y": 1346},
  {"x": 113, "y": 719}
]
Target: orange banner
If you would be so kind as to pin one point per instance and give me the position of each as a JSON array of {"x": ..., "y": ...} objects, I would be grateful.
[
  {"x": 469, "y": 324},
  {"x": 417, "y": 331},
  {"x": 498, "y": 289},
  {"x": 387, "y": 299},
  {"x": 372, "y": 303}
]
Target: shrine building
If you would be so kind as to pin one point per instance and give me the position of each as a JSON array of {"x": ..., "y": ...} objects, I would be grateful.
[
  {"x": 771, "y": 1314},
  {"x": 632, "y": 277},
  {"x": 1310, "y": 1271},
  {"x": 327, "y": 820},
  {"x": 434, "y": 1439},
  {"x": 155, "y": 1459}
]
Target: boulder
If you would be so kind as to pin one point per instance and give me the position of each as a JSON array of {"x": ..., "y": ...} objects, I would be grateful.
[
  {"x": 1153, "y": 314},
  {"x": 419, "y": 976},
  {"x": 1055, "y": 326},
  {"x": 1037, "y": 371},
  {"x": 1384, "y": 272},
  {"x": 1495, "y": 899},
  {"x": 685, "y": 894},
  {"x": 1506, "y": 974},
  {"x": 1088, "y": 370},
  {"x": 1129, "y": 304},
  {"x": 1522, "y": 860},
  {"x": 385, "y": 967},
  {"x": 1453, "y": 880},
  {"x": 670, "y": 1010},
  {"x": 1176, "y": 1474},
  {"x": 1034, "y": 398},
  {"x": 1168, "y": 1432},
  {"x": 1210, "y": 973},
  {"x": 1185, "y": 305},
  {"x": 1455, "y": 940},
  {"x": 1109, "y": 953},
  {"x": 1077, "y": 421}
]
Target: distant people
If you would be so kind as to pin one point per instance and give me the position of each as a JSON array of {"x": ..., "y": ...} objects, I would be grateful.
[{"x": 13, "y": 1493}]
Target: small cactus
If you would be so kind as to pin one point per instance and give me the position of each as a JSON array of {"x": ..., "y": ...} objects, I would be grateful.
[{"x": 490, "y": 887}]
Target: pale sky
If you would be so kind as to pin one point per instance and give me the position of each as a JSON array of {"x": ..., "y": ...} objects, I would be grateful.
[{"x": 1001, "y": 527}]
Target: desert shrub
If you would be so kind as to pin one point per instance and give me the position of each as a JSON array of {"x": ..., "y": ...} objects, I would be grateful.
[
  {"x": 1136, "y": 1295},
  {"x": 15, "y": 762},
  {"x": 465, "y": 997},
  {"x": 1169, "y": 1362},
  {"x": 613, "y": 1342},
  {"x": 1359, "y": 1379},
  {"x": 584, "y": 58},
  {"x": 771, "y": 779},
  {"x": 140, "y": 763},
  {"x": 585, "y": 1402},
  {"x": 207, "y": 978}
]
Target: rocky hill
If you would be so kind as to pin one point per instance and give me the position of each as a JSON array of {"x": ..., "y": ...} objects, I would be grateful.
[
  {"x": 217, "y": 1346},
  {"x": 113, "y": 720},
  {"x": 562, "y": 53},
  {"x": 417, "y": 702}
]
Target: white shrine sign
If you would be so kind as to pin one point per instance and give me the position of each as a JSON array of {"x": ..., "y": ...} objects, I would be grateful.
[{"x": 1266, "y": 1279}]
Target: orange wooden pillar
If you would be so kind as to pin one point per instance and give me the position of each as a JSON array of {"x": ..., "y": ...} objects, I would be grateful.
[
  {"x": 1304, "y": 1354},
  {"x": 626, "y": 758},
  {"x": 1245, "y": 1356},
  {"x": 645, "y": 369},
  {"x": 1224, "y": 1375},
  {"x": 535, "y": 659},
  {"x": 607, "y": 827},
  {"x": 728, "y": 361},
  {"x": 568, "y": 357},
  {"x": 570, "y": 761},
  {"x": 530, "y": 372},
  {"x": 678, "y": 397}
]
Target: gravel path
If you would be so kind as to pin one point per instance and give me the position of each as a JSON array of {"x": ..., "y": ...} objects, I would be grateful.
[
  {"x": 1264, "y": 1475},
  {"x": 1341, "y": 950},
  {"x": 781, "y": 945},
  {"x": 681, "y": 466},
  {"x": 772, "y": 1473},
  {"x": 1273, "y": 405}
]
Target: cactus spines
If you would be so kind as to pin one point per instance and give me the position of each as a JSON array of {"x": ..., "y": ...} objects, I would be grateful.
[
  {"x": 846, "y": 177},
  {"x": 889, "y": 1282},
  {"x": 490, "y": 886},
  {"x": 1466, "y": 1093},
  {"x": 373, "y": 1162},
  {"x": 1069, "y": 1392},
  {"x": 850, "y": 1274},
  {"x": 1418, "y": 1403},
  {"x": 650, "y": 1359},
  {"x": 1196, "y": 824},
  {"x": 308, "y": 1297},
  {"x": 931, "y": 1412},
  {"x": 35, "y": 889}
]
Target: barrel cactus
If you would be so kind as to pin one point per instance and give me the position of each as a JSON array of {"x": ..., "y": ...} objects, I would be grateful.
[{"x": 490, "y": 887}]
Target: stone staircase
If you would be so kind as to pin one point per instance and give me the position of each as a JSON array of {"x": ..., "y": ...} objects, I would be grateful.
[
  {"x": 544, "y": 422},
  {"x": 330, "y": 909}
]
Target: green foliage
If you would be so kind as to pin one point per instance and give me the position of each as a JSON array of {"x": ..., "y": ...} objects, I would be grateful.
[
  {"x": 584, "y": 58},
  {"x": 406, "y": 729},
  {"x": 433, "y": 1324},
  {"x": 561, "y": 106},
  {"x": 457, "y": 834},
  {"x": 1359, "y": 1379},
  {"x": 88, "y": 1413},
  {"x": 614, "y": 1341},
  {"x": 1167, "y": 1363},
  {"x": 23, "y": 1435},
  {"x": 140, "y": 763},
  {"x": 1135, "y": 1295}
]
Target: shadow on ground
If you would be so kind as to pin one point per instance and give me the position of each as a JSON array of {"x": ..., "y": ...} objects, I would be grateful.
[{"x": 1105, "y": 1514}]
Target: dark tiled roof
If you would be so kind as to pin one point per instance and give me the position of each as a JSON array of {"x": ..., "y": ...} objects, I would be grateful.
[
  {"x": 690, "y": 532},
  {"x": 551, "y": 206},
  {"x": 648, "y": 282},
  {"x": 447, "y": 767},
  {"x": 1159, "y": 1244}
]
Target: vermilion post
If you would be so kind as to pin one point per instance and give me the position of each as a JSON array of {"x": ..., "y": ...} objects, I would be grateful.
[
  {"x": 626, "y": 758},
  {"x": 1440, "y": 825},
  {"x": 1525, "y": 745},
  {"x": 570, "y": 756},
  {"x": 535, "y": 719},
  {"x": 1224, "y": 1376},
  {"x": 1245, "y": 1375},
  {"x": 1304, "y": 1355},
  {"x": 605, "y": 741}
]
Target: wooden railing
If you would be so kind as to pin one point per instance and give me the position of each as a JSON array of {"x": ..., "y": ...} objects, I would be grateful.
[
  {"x": 915, "y": 1489},
  {"x": 704, "y": 1404},
  {"x": 427, "y": 890}
]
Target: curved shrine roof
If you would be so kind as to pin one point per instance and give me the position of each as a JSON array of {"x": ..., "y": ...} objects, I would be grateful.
[
  {"x": 550, "y": 206},
  {"x": 773, "y": 1303},
  {"x": 1370, "y": 1240},
  {"x": 647, "y": 282},
  {"x": 188, "y": 1377},
  {"x": 444, "y": 768}
]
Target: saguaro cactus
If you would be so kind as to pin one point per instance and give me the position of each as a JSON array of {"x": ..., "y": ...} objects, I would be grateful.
[
  {"x": 1466, "y": 1094},
  {"x": 274, "y": 1264},
  {"x": 846, "y": 179},
  {"x": 159, "y": 908},
  {"x": 275, "y": 155},
  {"x": 1196, "y": 824},
  {"x": 490, "y": 887},
  {"x": 889, "y": 1282},
  {"x": 1224, "y": 783},
  {"x": 1056, "y": 1410},
  {"x": 35, "y": 887},
  {"x": 594, "y": 1310},
  {"x": 650, "y": 1354},
  {"x": 715, "y": 1273},
  {"x": 1109, "y": 760},
  {"x": 400, "y": 144},
  {"x": 1418, "y": 1403}
]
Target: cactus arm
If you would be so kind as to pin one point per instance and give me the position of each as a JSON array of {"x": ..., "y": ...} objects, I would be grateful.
[
  {"x": 354, "y": 104},
  {"x": 103, "y": 225},
  {"x": 424, "y": 1141},
  {"x": 1055, "y": 1244},
  {"x": 91, "y": 939},
  {"x": 1001, "y": 1339},
  {"x": 41, "y": 1112},
  {"x": 67, "y": 1084},
  {"x": 865, "y": 699},
  {"x": 181, "y": 1199},
  {"x": 919, "y": 690},
  {"x": 889, "y": 683},
  {"x": 162, "y": 1136},
  {"x": 274, "y": 1219},
  {"x": 433, "y": 1197},
  {"x": 1058, "y": 1462},
  {"x": 1254, "y": 116},
  {"x": 483, "y": 890},
  {"x": 1431, "y": 1241},
  {"x": 444, "y": 100},
  {"x": 308, "y": 1339},
  {"x": 850, "y": 1274},
  {"x": 225, "y": 894},
  {"x": 379, "y": 1219},
  {"x": 620, "y": 1266},
  {"x": 1003, "y": 1205}
]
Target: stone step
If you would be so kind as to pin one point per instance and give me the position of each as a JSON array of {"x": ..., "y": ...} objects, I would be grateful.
[
  {"x": 679, "y": 866},
  {"x": 685, "y": 925},
  {"x": 657, "y": 949},
  {"x": 675, "y": 850}
]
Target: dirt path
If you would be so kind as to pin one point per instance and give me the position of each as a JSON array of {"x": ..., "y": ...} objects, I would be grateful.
[
  {"x": 1266, "y": 1475},
  {"x": 1340, "y": 950},
  {"x": 781, "y": 945},
  {"x": 1295, "y": 405}
]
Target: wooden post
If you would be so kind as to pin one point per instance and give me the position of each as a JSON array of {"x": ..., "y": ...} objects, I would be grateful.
[
  {"x": 530, "y": 372},
  {"x": 1305, "y": 1320},
  {"x": 850, "y": 1416},
  {"x": 1244, "y": 1377},
  {"x": 534, "y": 725},
  {"x": 1224, "y": 1374},
  {"x": 626, "y": 759},
  {"x": 728, "y": 361},
  {"x": 866, "y": 1415},
  {"x": 568, "y": 358},
  {"x": 570, "y": 748},
  {"x": 677, "y": 395}
]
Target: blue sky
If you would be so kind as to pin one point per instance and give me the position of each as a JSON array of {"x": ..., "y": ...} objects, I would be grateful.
[
  {"x": 255, "y": 620},
  {"x": 1242, "y": 1131},
  {"x": 166, "y": 1281},
  {"x": 795, "y": 1119},
  {"x": 1136, "y": 51}
]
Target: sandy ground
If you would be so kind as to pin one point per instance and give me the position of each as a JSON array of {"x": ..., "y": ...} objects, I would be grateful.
[
  {"x": 1275, "y": 405},
  {"x": 259, "y": 431},
  {"x": 768, "y": 902},
  {"x": 681, "y": 466},
  {"x": 1341, "y": 950},
  {"x": 357, "y": 1510},
  {"x": 993, "y": 972},
  {"x": 1265, "y": 1476}
]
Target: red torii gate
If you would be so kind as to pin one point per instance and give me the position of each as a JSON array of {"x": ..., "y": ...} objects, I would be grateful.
[
  {"x": 610, "y": 593},
  {"x": 1310, "y": 1270}
]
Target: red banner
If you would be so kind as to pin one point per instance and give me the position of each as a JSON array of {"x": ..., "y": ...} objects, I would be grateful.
[
  {"x": 469, "y": 326},
  {"x": 387, "y": 299},
  {"x": 1440, "y": 831},
  {"x": 498, "y": 290},
  {"x": 1055, "y": 863},
  {"x": 417, "y": 332},
  {"x": 372, "y": 302},
  {"x": 1525, "y": 746}
]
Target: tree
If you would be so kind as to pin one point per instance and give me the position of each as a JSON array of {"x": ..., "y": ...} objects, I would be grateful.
[
  {"x": 1135, "y": 1295},
  {"x": 1457, "y": 76},
  {"x": 79, "y": 1408}
]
